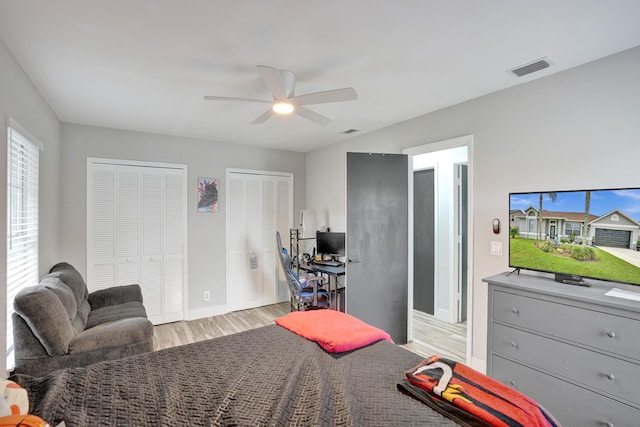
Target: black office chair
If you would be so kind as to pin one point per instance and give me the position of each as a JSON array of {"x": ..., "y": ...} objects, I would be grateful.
[{"x": 306, "y": 291}]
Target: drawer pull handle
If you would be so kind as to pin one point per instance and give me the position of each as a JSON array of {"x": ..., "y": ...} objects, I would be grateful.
[
  {"x": 611, "y": 334},
  {"x": 514, "y": 344},
  {"x": 515, "y": 310},
  {"x": 611, "y": 377}
]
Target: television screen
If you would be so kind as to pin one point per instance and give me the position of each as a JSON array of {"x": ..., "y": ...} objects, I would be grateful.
[
  {"x": 330, "y": 243},
  {"x": 577, "y": 234}
]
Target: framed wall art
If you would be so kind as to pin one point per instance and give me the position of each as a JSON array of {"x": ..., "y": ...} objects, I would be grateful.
[{"x": 207, "y": 195}]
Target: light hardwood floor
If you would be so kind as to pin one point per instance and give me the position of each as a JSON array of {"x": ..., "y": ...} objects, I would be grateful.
[
  {"x": 435, "y": 337},
  {"x": 430, "y": 336},
  {"x": 179, "y": 333}
]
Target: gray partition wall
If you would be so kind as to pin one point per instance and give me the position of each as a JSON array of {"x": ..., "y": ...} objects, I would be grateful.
[{"x": 377, "y": 239}]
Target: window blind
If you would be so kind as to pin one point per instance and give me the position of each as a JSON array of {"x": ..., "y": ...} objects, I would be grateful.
[{"x": 22, "y": 222}]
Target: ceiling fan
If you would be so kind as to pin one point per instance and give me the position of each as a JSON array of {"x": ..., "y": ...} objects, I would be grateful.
[{"x": 281, "y": 83}]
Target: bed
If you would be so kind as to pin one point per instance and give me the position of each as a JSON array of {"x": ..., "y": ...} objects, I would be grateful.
[{"x": 265, "y": 376}]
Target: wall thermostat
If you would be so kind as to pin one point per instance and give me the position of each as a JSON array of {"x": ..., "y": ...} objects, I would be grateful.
[{"x": 496, "y": 225}]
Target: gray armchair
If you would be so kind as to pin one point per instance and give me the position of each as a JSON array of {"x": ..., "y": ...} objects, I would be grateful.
[{"x": 59, "y": 324}]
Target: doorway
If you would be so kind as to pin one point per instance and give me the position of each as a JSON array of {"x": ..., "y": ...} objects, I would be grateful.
[{"x": 451, "y": 161}]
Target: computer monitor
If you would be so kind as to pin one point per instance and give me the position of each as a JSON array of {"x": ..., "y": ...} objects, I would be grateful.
[{"x": 330, "y": 243}]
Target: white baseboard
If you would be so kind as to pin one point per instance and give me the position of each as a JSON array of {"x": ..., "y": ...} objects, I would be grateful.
[
  {"x": 216, "y": 310},
  {"x": 444, "y": 315},
  {"x": 479, "y": 364},
  {"x": 201, "y": 313}
]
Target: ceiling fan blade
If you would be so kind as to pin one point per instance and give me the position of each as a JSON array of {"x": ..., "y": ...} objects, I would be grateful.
[
  {"x": 289, "y": 82},
  {"x": 226, "y": 98},
  {"x": 336, "y": 95},
  {"x": 273, "y": 79},
  {"x": 263, "y": 117},
  {"x": 316, "y": 118}
]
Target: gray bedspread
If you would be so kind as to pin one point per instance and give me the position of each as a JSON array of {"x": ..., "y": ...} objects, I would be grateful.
[{"x": 265, "y": 376}]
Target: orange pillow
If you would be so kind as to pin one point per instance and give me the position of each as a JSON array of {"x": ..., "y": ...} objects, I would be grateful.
[{"x": 335, "y": 331}]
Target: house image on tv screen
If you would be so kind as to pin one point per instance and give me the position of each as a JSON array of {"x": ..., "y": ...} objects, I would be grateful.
[{"x": 613, "y": 229}]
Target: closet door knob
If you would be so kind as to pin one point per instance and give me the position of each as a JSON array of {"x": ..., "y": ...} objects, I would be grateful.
[
  {"x": 608, "y": 424},
  {"x": 611, "y": 377},
  {"x": 611, "y": 334},
  {"x": 514, "y": 344},
  {"x": 512, "y": 383},
  {"x": 514, "y": 310}
]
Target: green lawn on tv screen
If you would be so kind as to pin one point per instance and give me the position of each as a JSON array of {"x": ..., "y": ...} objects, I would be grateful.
[{"x": 523, "y": 253}]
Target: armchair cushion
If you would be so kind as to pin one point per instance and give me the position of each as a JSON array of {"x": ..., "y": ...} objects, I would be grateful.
[
  {"x": 116, "y": 312},
  {"x": 72, "y": 278},
  {"x": 64, "y": 294},
  {"x": 68, "y": 275},
  {"x": 115, "y": 296},
  {"x": 112, "y": 335},
  {"x": 47, "y": 317}
]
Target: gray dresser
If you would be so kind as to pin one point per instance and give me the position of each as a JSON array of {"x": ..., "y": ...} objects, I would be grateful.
[{"x": 573, "y": 349}]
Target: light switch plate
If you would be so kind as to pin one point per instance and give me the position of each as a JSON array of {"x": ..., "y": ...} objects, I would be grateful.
[{"x": 496, "y": 249}]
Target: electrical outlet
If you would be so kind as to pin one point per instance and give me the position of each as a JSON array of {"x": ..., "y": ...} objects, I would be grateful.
[{"x": 206, "y": 295}]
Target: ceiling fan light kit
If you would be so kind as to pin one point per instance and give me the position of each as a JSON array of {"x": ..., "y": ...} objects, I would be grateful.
[
  {"x": 281, "y": 84},
  {"x": 282, "y": 107}
]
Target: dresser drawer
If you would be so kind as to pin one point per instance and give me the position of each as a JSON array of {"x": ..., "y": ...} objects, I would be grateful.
[
  {"x": 603, "y": 331},
  {"x": 573, "y": 406},
  {"x": 608, "y": 374}
]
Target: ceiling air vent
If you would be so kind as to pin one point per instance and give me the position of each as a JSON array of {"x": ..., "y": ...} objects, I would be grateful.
[
  {"x": 350, "y": 131},
  {"x": 531, "y": 67}
]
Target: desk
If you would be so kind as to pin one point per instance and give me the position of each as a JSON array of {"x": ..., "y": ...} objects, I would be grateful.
[{"x": 330, "y": 271}]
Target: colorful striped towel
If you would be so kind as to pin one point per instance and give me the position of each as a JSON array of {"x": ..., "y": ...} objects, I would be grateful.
[{"x": 472, "y": 398}]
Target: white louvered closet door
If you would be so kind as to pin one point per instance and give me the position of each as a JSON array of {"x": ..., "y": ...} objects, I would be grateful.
[
  {"x": 151, "y": 262},
  {"x": 284, "y": 223},
  {"x": 174, "y": 232},
  {"x": 128, "y": 225},
  {"x": 136, "y": 233},
  {"x": 236, "y": 242},
  {"x": 258, "y": 204},
  {"x": 265, "y": 246},
  {"x": 101, "y": 226},
  {"x": 254, "y": 288}
]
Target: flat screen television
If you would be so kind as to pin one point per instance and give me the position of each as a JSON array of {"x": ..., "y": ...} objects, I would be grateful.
[
  {"x": 580, "y": 234},
  {"x": 330, "y": 243}
]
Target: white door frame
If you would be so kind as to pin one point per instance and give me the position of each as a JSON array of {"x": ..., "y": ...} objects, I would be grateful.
[{"x": 466, "y": 140}]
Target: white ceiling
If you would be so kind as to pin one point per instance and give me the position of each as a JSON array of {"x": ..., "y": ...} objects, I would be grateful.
[{"x": 146, "y": 64}]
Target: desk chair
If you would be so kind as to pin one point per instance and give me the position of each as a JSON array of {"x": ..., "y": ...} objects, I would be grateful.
[{"x": 306, "y": 291}]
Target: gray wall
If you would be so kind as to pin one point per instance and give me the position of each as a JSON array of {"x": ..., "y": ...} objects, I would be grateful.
[
  {"x": 206, "y": 245},
  {"x": 571, "y": 130},
  {"x": 20, "y": 100}
]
